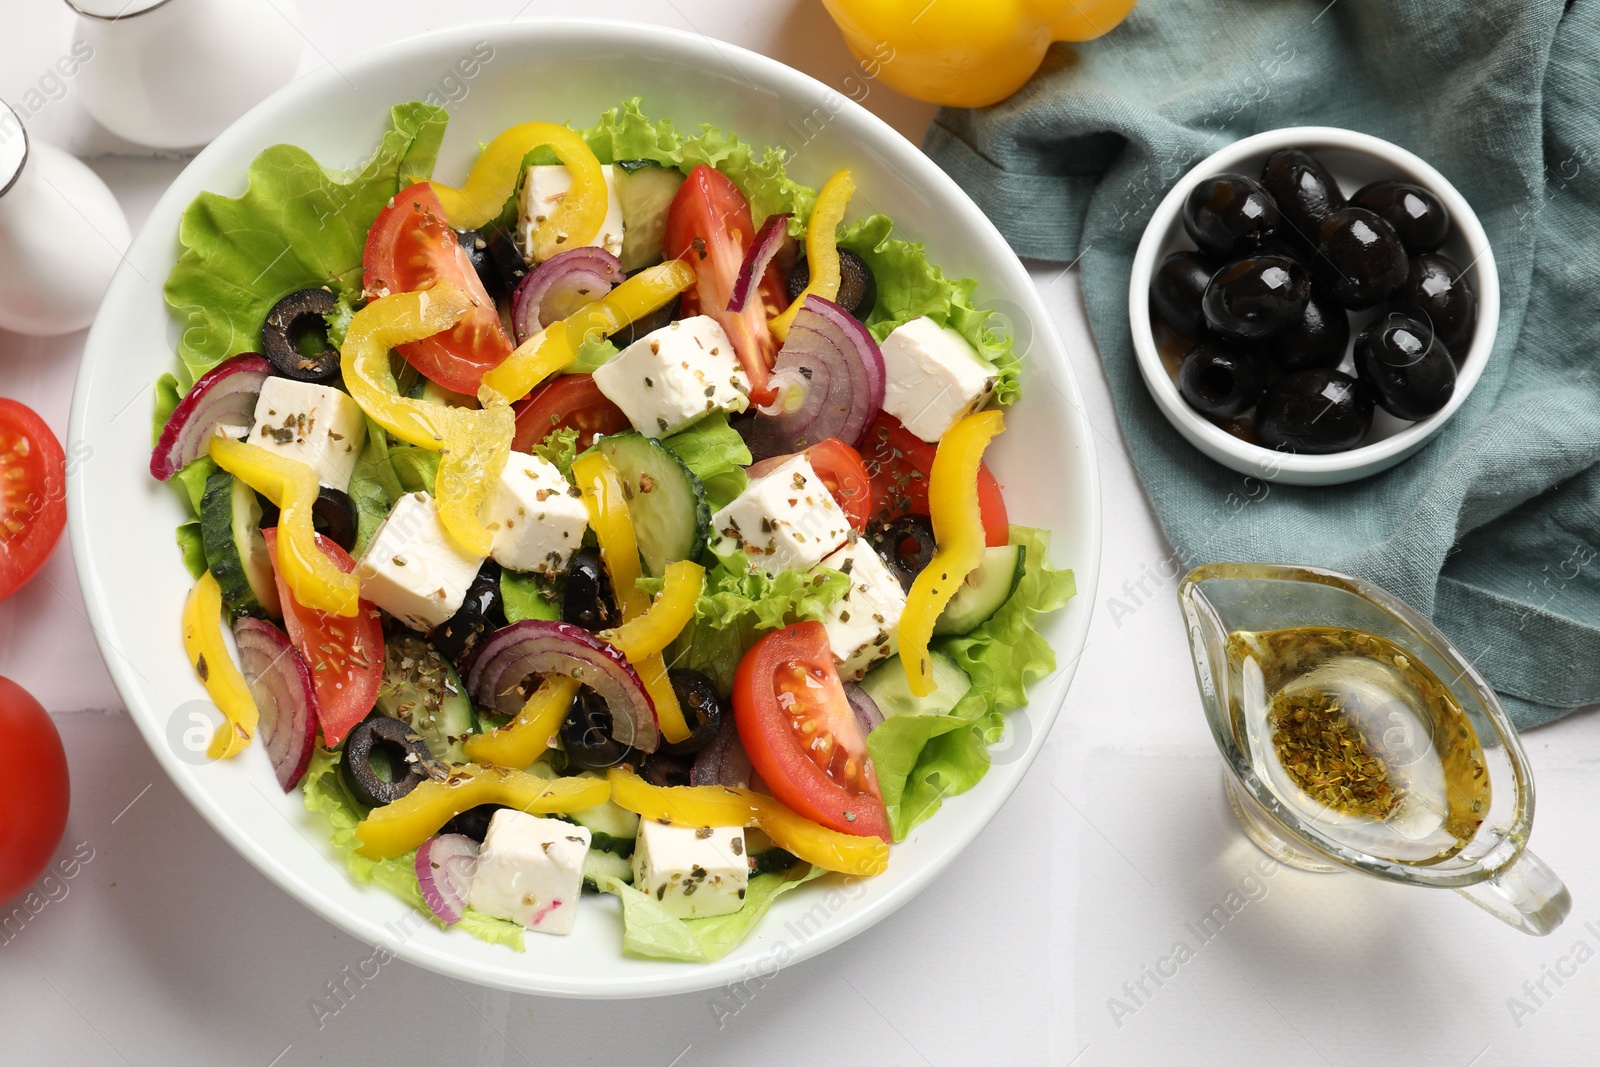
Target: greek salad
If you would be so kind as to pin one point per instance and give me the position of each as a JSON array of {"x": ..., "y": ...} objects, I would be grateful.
[{"x": 614, "y": 522}]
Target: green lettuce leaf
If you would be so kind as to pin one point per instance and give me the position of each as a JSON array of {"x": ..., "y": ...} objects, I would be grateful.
[
  {"x": 415, "y": 468},
  {"x": 374, "y": 487},
  {"x": 649, "y": 930},
  {"x": 297, "y": 226},
  {"x": 559, "y": 448},
  {"x": 324, "y": 795},
  {"x": 910, "y": 286},
  {"x": 921, "y": 759},
  {"x": 522, "y": 598},
  {"x": 593, "y": 353},
  {"x": 191, "y": 481},
  {"x": 716, "y": 454},
  {"x": 167, "y": 396},
  {"x": 193, "y": 547}
]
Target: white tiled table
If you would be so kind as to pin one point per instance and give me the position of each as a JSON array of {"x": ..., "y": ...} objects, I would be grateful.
[{"x": 1043, "y": 944}]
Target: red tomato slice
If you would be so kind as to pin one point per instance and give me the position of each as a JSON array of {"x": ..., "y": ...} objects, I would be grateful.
[
  {"x": 411, "y": 247},
  {"x": 33, "y": 494},
  {"x": 572, "y": 400},
  {"x": 33, "y": 805},
  {"x": 842, "y": 470},
  {"x": 802, "y": 738},
  {"x": 899, "y": 461},
  {"x": 345, "y": 654},
  {"x": 709, "y": 224}
]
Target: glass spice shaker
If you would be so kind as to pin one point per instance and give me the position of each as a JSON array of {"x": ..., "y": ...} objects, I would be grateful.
[
  {"x": 62, "y": 235},
  {"x": 175, "y": 73}
]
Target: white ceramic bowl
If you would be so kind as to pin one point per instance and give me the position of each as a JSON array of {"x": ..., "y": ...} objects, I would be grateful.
[
  {"x": 122, "y": 521},
  {"x": 1354, "y": 159}
]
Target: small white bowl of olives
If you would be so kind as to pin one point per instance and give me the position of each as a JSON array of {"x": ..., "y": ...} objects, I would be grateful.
[{"x": 1310, "y": 305}]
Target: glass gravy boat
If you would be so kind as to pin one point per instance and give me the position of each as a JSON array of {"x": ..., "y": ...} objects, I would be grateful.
[{"x": 1445, "y": 746}]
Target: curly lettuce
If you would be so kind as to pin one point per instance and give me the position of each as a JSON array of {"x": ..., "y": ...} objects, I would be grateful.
[{"x": 648, "y": 929}]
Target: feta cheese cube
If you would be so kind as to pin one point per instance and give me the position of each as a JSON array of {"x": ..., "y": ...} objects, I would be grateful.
[
  {"x": 672, "y": 376},
  {"x": 785, "y": 520},
  {"x": 536, "y": 516},
  {"x": 543, "y": 189},
  {"x": 530, "y": 871},
  {"x": 315, "y": 424},
  {"x": 693, "y": 872},
  {"x": 862, "y": 624},
  {"x": 934, "y": 377},
  {"x": 412, "y": 569}
]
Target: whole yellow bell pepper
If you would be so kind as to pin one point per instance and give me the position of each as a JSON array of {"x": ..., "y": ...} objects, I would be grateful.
[
  {"x": 397, "y": 828},
  {"x": 965, "y": 53},
  {"x": 822, "y": 249},
  {"x": 957, "y": 531},
  {"x": 202, "y": 640},
  {"x": 717, "y": 805}
]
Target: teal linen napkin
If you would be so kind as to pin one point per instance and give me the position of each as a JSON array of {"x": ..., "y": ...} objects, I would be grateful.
[{"x": 1494, "y": 528}]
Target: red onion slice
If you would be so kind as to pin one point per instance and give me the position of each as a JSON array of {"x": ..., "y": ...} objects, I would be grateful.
[
  {"x": 280, "y": 682},
  {"x": 723, "y": 761},
  {"x": 225, "y": 394},
  {"x": 561, "y": 285},
  {"x": 866, "y": 709},
  {"x": 445, "y": 865},
  {"x": 511, "y": 654},
  {"x": 767, "y": 242},
  {"x": 829, "y": 381}
]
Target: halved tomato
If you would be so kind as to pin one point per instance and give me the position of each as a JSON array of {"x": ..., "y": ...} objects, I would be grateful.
[
  {"x": 842, "y": 470},
  {"x": 410, "y": 247},
  {"x": 802, "y": 736},
  {"x": 572, "y": 400},
  {"x": 33, "y": 494},
  {"x": 345, "y": 654},
  {"x": 709, "y": 224},
  {"x": 898, "y": 462}
]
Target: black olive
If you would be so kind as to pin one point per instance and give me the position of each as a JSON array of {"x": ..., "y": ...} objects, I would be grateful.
[
  {"x": 1221, "y": 379},
  {"x": 1408, "y": 370},
  {"x": 1437, "y": 287},
  {"x": 1319, "y": 339},
  {"x": 906, "y": 545},
  {"x": 473, "y": 823},
  {"x": 1229, "y": 215},
  {"x": 495, "y": 259},
  {"x": 334, "y": 516},
  {"x": 666, "y": 769},
  {"x": 1257, "y": 297},
  {"x": 587, "y": 601},
  {"x": 1176, "y": 291},
  {"x": 383, "y": 760},
  {"x": 772, "y": 860},
  {"x": 702, "y": 710},
  {"x": 1360, "y": 260},
  {"x": 1314, "y": 411},
  {"x": 586, "y": 735},
  {"x": 1304, "y": 190},
  {"x": 481, "y": 613},
  {"x": 858, "y": 289},
  {"x": 662, "y": 316},
  {"x": 297, "y": 319},
  {"x": 1418, "y": 218}
]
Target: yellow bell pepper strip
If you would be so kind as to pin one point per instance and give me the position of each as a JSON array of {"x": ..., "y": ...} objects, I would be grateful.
[
  {"x": 647, "y": 634},
  {"x": 552, "y": 348},
  {"x": 965, "y": 53},
  {"x": 473, "y": 443},
  {"x": 822, "y": 249},
  {"x": 717, "y": 805},
  {"x": 526, "y": 737},
  {"x": 572, "y": 223},
  {"x": 292, "y": 486},
  {"x": 958, "y": 533},
  {"x": 395, "y": 829},
  {"x": 202, "y": 640}
]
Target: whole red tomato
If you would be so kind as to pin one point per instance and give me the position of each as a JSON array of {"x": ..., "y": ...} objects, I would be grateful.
[{"x": 33, "y": 803}]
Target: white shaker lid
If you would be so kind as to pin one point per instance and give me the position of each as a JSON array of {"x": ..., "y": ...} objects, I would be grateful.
[
  {"x": 112, "y": 10},
  {"x": 13, "y": 146}
]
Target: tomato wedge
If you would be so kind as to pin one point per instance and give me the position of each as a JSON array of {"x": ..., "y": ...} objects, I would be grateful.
[
  {"x": 345, "y": 654},
  {"x": 411, "y": 246},
  {"x": 33, "y": 494},
  {"x": 572, "y": 400},
  {"x": 842, "y": 470},
  {"x": 899, "y": 461},
  {"x": 801, "y": 735},
  {"x": 709, "y": 223}
]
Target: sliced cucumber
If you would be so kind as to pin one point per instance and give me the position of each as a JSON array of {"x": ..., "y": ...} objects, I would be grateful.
[
  {"x": 886, "y": 685},
  {"x": 665, "y": 500},
  {"x": 644, "y": 192},
  {"x": 613, "y": 827},
  {"x": 230, "y": 528},
  {"x": 598, "y": 865},
  {"x": 423, "y": 691},
  {"x": 985, "y": 589}
]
